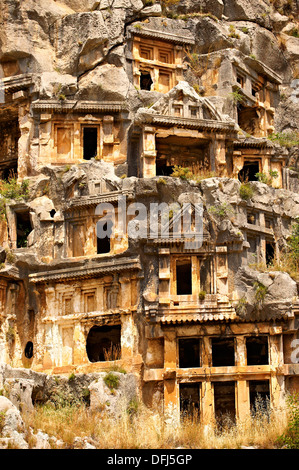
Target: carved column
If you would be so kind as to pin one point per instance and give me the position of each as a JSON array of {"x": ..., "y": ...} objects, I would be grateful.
[
  {"x": 207, "y": 392},
  {"x": 148, "y": 157},
  {"x": 277, "y": 381},
  {"x": 242, "y": 402},
  {"x": 171, "y": 399}
]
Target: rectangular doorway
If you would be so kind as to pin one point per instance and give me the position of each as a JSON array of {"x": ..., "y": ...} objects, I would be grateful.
[{"x": 225, "y": 403}]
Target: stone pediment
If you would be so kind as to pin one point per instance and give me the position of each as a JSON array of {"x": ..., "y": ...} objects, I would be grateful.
[{"x": 183, "y": 106}]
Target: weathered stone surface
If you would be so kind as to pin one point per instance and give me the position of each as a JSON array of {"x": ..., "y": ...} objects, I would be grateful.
[
  {"x": 20, "y": 393},
  {"x": 278, "y": 289},
  {"x": 107, "y": 82},
  {"x": 54, "y": 85},
  {"x": 113, "y": 400},
  {"x": 266, "y": 49},
  {"x": 213, "y": 7},
  {"x": 257, "y": 11},
  {"x": 6, "y": 404},
  {"x": 41, "y": 440},
  {"x": 28, "y": 39}
]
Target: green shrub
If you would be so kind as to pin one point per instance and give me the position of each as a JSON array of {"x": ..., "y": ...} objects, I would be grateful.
[
  {"x": 246, "y": 191},
  {"x": 11, "y": 189},
  {"x": 267, "y": 178},
  {"x": 294, "y": 32},
  {"x": 221, "y": 211},
  {"x": 182, "y": 173},
  {"x": 285, "y": 139},
  {"x": 241, "y": 307},
  {"x": 293, "y": 243},
  {"x": 290, "y": 439},
  {"x": 133, "y": 406},
  {"x": 237, "y": 97},
  {"x": 10, "y": 257},
  {"x": 111, "y": 380},
  {"x": 232, "y": 32},
  {"x": 260, "y": 292},
  {"x": 202, "y": 295}
]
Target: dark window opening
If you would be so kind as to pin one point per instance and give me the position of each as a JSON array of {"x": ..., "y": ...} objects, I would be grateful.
[
  {"x": 250, "y": 218},
  {"x": 184, "y": 278},
  {"x": 189, "y": 352},
  {"x": 9, "y": 172},
  {"x": 23, "y": 226},
  {"x": 224, "y": 402},
  {"x": 240, "y": 80},
  {"x": 103, "y": 343},
  {"x": 248, "y": 119},
  {"x": 29, "y": 350},
  {"x": 190, "y": 400},
  {"x": 268, "y": 222},
  {"x": 259, "y": 393},
  {"x": 162, "y": 169},
  {"x": 187, "y": 152},
  {"x": 223, "y": 352},
  {"x": 145, "y": 81},
  {"x": 257, "y": 350},
  {"x": 205, "y": 275},
  {"x": 270, "y": 253},
  {"x": 90, "y": 142},
  {"x": 249, "y": 171},
  {"x": 52, "y": 212},
  {"x": 104, "y": 244}
]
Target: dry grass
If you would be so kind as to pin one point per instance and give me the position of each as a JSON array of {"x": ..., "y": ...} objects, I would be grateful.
[
  {"x": 284, "y": 264},
  {"x": 145, "y": 430}
]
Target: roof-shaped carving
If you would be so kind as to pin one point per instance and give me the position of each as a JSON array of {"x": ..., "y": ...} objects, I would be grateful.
[{"x": 183, "y": 107}]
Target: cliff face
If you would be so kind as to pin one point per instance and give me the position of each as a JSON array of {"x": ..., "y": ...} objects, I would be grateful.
[{"x": 191, "y": 104}]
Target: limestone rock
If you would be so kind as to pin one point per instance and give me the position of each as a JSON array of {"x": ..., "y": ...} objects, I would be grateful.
[
  {"x": 78, "y": 35},
  {"x": 20, "y": 393},
  {"x": 266, "y": 49},
  {"x": 6, "y": 404},
  {"x": 82, "y": 443},
  {"x": 54, "y": 85},
  {"x": 213, "y": 7},
  {"x": 42, "y": 440},
  {"x": 106, "y": 82},
  {"x": 113, "y": 400},
  {"x": 42, "y": 206},
  {"x": 151, "y": 10},
  {"x": 275, "y": 285},
  {"x": 13, "y": 425},
  {"x": 28, "y": 38},
  {"x": 255, "y": 10}
]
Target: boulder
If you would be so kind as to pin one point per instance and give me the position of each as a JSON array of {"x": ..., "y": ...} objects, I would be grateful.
[
  {"x": 42, "y": 206},
  {"x": 114, "y": 399},
  {"x": 20, "y": 393},
  {"x": 54, "y": 84},
  {"x": 213, "y": 7},
  {"x": 13, "y": 425},
  {"x": 105, "y": 82},
  {"x": 266, "y": 48},
  {"x": 81, "y": 41},
  {"x": 256, "y": 10},
  {"x": 6, "y": 404},
  {"x": 41, "y": 440},
  {"x": 279, "y": 291},
  {"x": 26, "y": 36}
]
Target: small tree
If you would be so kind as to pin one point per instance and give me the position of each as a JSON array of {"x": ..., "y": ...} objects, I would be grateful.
[{"x": 293, "y": 243}]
